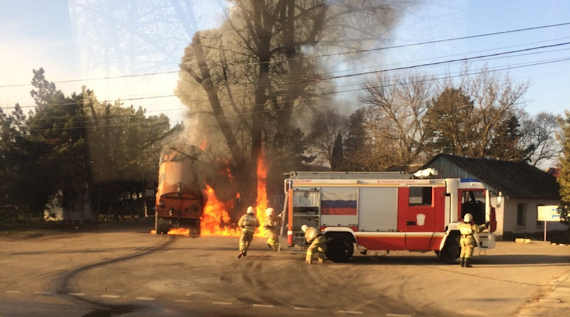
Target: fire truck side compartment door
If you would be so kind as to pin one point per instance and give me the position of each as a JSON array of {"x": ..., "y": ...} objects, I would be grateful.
[
  {"x": 339, "y": 206},
  {"x": 306, "y": 198},
  {"x": 378, "y": 209}
]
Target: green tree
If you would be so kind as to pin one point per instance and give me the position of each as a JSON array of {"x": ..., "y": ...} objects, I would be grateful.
[
  {"x": 506, "y": 144},
  {"x": 19, "y": 169},
  {"x": 355, "y": 143},
  {"x": 124, "y": 150},
  {"x": 59, "y": 128},
  {"x": 93, "y": 153},
  {"x": 564, "y": 178},
  {"x": 449, "y": 123}
]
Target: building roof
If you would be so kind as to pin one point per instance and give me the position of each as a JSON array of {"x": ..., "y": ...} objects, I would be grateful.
[{"x": 515, "y": 179}]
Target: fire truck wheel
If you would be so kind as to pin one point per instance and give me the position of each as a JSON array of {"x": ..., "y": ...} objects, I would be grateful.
[
  {"x": 451, "y": 250},
  {"x": 162, "y": 226},
  {"x": 339, "y": 249}
]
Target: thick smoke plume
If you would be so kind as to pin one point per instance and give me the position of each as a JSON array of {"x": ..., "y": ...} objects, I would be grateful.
[{"x": 258, "y": 82}]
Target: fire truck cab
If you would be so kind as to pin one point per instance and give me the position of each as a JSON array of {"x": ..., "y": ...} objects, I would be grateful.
[{"x": 385, "y": 211}]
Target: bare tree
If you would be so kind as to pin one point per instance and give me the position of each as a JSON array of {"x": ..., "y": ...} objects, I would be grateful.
[
  {"x": 397, "y": 106},
  {"x": 538, "y": 134},
  {"x": 266, "y": 73},
  {"x": 494, "y": 99}
]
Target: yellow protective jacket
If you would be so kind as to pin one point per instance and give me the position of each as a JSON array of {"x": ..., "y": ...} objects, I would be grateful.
[
  {"x": 248, "y": 222},
  {"x": 469, "y": 233},
  {"x": 273, "y": 224}
]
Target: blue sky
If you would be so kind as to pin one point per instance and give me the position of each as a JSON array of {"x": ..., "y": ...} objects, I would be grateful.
[
  {"x": 548, "y": 90},
  {"x": 74, "y": 39}
]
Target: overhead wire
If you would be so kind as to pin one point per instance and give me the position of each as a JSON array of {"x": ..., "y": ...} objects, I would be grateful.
[
  {"x": 350, "y": 75},
  {"x": 463, "y": 59},
  {"x": 471, "y": 52},
  {"x": 137, "y": 97},
  {"x": 317, "y": 55},
  {"x": 382, "y": 85}
]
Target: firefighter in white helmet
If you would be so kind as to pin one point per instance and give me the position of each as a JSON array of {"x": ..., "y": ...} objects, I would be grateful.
[
  {"x": 272, "y": 226},
  {"x": 248, "y": 223},
  {"x": 468, "y": 241},
  {"x": 317, "y": 244}
]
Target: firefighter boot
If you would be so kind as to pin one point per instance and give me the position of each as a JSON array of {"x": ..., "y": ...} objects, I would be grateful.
[
  {"x": 240, "y": 255},
  {"x": 468, "y": 262},
  {"x": 462, "y": 262}
]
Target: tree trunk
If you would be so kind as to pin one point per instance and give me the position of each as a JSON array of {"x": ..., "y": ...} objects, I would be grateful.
[{"x": 214, "y": 100}]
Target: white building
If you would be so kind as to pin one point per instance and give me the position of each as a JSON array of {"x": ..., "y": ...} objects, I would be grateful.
[{"x": 523, "y": 187}]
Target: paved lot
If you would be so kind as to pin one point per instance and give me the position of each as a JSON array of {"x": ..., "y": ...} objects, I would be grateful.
[{"x": 138, "y": 274}]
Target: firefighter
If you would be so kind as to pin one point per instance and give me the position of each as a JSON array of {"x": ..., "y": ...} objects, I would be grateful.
[
  {"x": 272, "y": 226},
  {"x": 248, "y": 223},
  {"x": 317, "y": 244},
  {"x": 468, "y": 242}
]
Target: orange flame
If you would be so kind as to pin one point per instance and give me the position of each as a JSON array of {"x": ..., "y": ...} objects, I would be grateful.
[
  {"x": 229, "y": 174},
  {"x": 203, "y": 145},
  {"x": 261, "y": 202},
  {"x": 179, "y": 232},
  {"x": 215, "y": 217}
]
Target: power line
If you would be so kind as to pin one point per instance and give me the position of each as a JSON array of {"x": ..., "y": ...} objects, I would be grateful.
[
  {"x": 280, "y": 93},
  {"x": 383, "y": 85},
  {"x": 504, "y": 68},
  {"x": 377, "y": 71},
  {"x": 315, "y": 56},
  {"x": 479, "y": 51},
  {"x": 317, "y": 79},
  {"x": 65, "y": 81},
  {"x": 138, "y": 97},
  {"x": 532, "y": 28},
  {"x": 464, "y": 59}
]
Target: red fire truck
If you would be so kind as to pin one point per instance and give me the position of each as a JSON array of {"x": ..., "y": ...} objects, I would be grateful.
[{"x": 385, "y": 211}]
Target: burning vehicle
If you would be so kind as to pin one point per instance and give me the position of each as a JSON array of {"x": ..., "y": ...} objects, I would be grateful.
[
  {"x": 187, "y": 204},
  {"x": 179, "y": 197}
]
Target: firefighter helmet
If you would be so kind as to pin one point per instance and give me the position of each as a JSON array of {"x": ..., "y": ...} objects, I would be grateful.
[
  {"x": 269, "y": 212},
  {"x": 310, "y": 234},
  {"x": 250, "y": 210},
  {"x": 467, "y": 218},
  {"x": 304, "y": 228}
]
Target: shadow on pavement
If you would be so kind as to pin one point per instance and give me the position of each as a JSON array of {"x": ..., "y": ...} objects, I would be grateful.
[{"x": 503, "y": 259}]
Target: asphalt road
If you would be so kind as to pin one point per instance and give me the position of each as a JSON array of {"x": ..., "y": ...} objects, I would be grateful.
[{"x": 138, "y": 274}]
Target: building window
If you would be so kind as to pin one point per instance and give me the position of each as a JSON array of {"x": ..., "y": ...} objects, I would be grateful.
[
  {"x": 420, "y": 196},
  {"x": 521, "y": 215}
]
